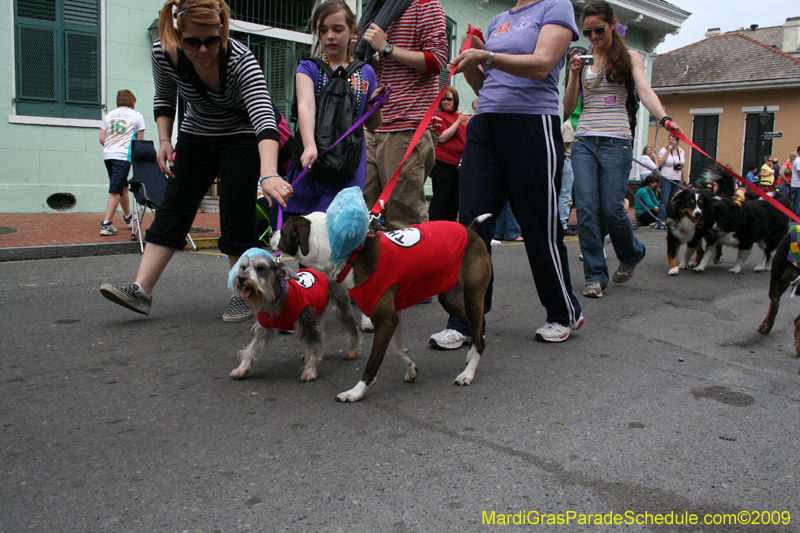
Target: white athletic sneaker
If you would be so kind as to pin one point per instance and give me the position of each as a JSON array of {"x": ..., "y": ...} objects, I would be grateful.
[
  {"x": 449, "y": 339},
  {"x": 366, "y": 324},
  {"x": 555, "y": 332}
]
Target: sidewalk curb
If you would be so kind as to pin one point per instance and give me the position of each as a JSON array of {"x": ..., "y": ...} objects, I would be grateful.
[{"x": 32, "y": 253}]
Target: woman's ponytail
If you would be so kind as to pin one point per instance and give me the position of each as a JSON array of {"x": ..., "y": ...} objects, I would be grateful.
[{"x": 168, "y": 26}]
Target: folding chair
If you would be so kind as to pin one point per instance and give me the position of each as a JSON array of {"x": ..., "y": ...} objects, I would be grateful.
[{"x": 146, "y": 187}]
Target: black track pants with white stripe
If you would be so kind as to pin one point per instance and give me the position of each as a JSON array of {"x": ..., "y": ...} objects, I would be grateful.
[{"x": 519, "y": 157}]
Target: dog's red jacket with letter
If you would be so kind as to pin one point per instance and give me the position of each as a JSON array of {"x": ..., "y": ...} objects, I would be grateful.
[
  {"x": 311, "y": 290},
  {"x": 423, "y": 260}
]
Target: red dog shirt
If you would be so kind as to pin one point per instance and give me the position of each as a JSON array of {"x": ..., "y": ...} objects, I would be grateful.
[
  {"x": 423, "y": 260},
  {"x": 311, "y": 290}
]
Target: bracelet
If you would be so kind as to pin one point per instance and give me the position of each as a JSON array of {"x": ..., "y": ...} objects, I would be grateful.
[
  {"x": 165, "y": 139},
  {"x": 265, "y": 177},
  {"x": 664, "y": 120}
]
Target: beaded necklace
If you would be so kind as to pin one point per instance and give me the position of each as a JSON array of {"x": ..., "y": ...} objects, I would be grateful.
[
  {"x": 587, "y": 86},
  {"x": 355, "y": 79}
]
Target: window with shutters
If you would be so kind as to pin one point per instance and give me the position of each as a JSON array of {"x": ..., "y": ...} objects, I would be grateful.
[
  {"x": 57, "y": 58},
  {"x": 287, "y": 14}
]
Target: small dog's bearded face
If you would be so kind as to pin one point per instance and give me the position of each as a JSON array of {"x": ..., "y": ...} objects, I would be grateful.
[{"x": 259, "y": 281}]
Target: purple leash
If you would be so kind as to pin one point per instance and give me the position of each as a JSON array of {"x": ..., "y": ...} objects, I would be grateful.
[{"x": 377, "y": 105}]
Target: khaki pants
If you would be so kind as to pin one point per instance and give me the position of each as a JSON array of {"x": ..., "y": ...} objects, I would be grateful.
[{"x": 406, "y": 205}]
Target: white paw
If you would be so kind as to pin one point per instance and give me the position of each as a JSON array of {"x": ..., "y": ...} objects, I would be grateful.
[
  {"x": 735, "y": 270},
  {"x": 308, "y": 375},
  {"x": 673, "y": 271},
  {"x": 239, "y": 373},
  {"x": 463, "y": 379},
  {"x": 759, "y": 268},
  {"x": 351, "y": 355},
  {"x": 684, "y": 266},
  {"x": 411, "y": 374},
  {"x": 354, "y": 394},
  {"x": 693, "y": 264},
  {"x": 700, "y": 268}
]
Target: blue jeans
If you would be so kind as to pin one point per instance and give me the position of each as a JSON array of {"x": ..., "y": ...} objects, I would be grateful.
[
  {"x": 785, "y": 189},
  {"x": 565, "y": 195},
  {"x": 796, "y": 201},
  {"x": 668, "y": 189},
  {"x": 506, "y": 227},
  {"x": 602, "y": 166}
]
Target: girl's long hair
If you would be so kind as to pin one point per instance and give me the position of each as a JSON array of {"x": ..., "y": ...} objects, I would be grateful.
[
  {"x": 618, "y": 59},
  {"x": 329, "y": 7},
  {"x": 206, "y": 12}
]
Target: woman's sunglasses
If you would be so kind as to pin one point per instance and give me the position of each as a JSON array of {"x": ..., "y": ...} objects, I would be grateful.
[
  {"x": 194, "y": 43},
  {"x": 447, "y": 99},
  {"x": 599, "y": 31}
]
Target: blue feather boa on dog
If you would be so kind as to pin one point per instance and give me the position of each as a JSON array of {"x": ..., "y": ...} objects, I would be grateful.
[
  {"x": 348, "y": 223},
  {"x": 252, "y": 252}
]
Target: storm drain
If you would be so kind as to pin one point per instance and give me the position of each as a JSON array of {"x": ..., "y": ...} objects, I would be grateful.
[{"x": 5, "y": 230}]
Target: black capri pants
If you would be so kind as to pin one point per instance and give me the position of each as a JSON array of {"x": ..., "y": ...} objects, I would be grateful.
[{"x": 199, "y": 160}]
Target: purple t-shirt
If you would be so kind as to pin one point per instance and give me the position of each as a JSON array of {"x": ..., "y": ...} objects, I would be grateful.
[
  {"x": 517, "y": 32},
  {"x": 310, "y": 196}
]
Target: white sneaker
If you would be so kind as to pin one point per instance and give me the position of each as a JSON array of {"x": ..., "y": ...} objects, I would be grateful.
[
  {"x": 449, "y": 339},
  {"x": 366, "y": 324},
  {"x": 495, "y": 242},
  {"x": 555, "y": 332}
]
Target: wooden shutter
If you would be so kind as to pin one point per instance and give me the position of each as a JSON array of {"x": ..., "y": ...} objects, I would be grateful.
[
  {"x": 36, "y": 63},
  {"x": 82, "y": 68}
]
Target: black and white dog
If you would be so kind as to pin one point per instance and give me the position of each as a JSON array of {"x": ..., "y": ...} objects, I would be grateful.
[
  {"x": 284, "y": 300},
  {"x": 741, "y": 225},
  {"x": 784, "y": 274},
  {"x": 686, "y": 225}
]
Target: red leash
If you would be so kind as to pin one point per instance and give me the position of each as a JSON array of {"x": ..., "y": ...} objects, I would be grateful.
[
  {"x": 387, "y": 191},
  {"x": 782, "y": 208}
]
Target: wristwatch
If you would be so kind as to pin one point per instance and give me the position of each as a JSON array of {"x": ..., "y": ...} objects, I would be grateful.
[
  {"x": 488, "y": 62},
  {"x": 387, "y": 49}
]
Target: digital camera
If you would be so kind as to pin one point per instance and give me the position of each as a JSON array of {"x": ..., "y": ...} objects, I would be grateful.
[
  {"x": 678, "y": 166},
  {"x": 586, "y": 60}
]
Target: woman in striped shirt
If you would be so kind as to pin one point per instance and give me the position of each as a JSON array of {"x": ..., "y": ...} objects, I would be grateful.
[
  {"x": 601, "y": 153},
  {"x": 229, "y": 130}
]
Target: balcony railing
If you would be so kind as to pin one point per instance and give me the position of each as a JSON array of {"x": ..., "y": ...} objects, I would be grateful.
[{"x": 286, "y": 14}]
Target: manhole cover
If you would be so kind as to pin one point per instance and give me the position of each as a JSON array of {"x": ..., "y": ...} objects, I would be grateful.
[
  {"x": 5, "y": 230},
  {"x": 195, "y": 229}
]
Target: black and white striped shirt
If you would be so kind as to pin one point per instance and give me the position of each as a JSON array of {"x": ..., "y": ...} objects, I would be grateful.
[{"x": 243, "y": 93}]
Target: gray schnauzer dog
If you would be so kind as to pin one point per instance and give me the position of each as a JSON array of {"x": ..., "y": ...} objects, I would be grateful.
[{"x": 290, "y": 301}]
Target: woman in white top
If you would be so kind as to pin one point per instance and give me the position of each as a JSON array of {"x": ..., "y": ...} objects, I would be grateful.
[
  {"x": 671, "y": 160},
  {"x": 648, "y": 161}
]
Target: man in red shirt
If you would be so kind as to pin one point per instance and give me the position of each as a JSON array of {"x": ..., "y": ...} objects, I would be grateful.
[{"x": 412, "y": 51}]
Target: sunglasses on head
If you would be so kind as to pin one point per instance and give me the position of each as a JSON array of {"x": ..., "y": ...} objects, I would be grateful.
[
  {"x": 599, "y": 31},
  {"x": 194, "y": 43},
  {"x": 445, "y": 99}
]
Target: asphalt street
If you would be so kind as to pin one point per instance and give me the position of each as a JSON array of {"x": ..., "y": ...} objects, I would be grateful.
[{"x": 667, "y": 402}]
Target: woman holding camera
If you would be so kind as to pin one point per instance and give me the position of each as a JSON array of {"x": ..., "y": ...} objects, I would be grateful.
[
  {"x": 601, "y": 153},
  {"x": 671, "y": 160}
]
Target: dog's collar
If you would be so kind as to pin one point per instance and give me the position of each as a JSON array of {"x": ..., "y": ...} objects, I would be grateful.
[{"x": 351, "y": 261}]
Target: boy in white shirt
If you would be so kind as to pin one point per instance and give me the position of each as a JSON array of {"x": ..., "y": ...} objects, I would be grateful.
[{"x": 119, "y": 128}]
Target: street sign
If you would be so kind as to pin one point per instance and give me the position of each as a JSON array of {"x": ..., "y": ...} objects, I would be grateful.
[{"x": 773, "y": 135}]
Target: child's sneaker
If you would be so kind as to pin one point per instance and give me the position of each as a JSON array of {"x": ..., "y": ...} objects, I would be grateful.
[
  {"x": 106, "y": 229},
  {"x": 128, "y": 220}
]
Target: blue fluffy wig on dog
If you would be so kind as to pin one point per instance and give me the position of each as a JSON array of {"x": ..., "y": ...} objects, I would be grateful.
[
  {"x": 348, "y": 223},
  {"x": 252, "y": 252}
]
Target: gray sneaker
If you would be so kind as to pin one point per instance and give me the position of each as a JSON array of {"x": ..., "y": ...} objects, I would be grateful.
[
  {"x": 593, "y": 289},
  {"x": 622, "y": 274},
  {"x": 127, "y": 297},
  {"x": 237, "y": 311}
]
